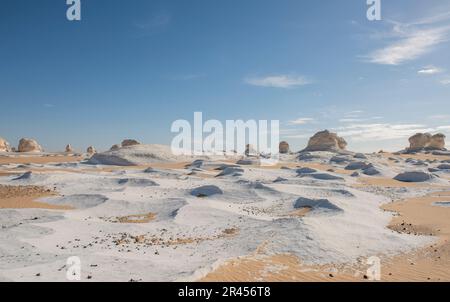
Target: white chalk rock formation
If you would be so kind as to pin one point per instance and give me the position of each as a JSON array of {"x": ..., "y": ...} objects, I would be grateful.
[
  {"x": 69, "y": 149},
  {"x": 326, "y": 141},
  {"x": 130, "y": 142},
  {"x": 91, "y": 150},
  {"x": 115, "y": 147},
  {"x": 422, "y": 141},
  {"x": 437, "y": 141},
  {"x": 4, "y": 146},
  {"x": 284, "y": 148},
  {"x": 29, "y": 145}
]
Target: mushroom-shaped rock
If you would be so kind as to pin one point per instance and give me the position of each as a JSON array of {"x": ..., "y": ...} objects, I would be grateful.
[
  {"x": 326, "y": 141},
  {"x": 284, "y": 148},
  {"x": 91, "y": 150},
  {"x": 69, "y": 149},
  {"x": 29, "y": 145},
  {"x": 130, "y": 142},
  {"x": 413, "y": 177},
  {"x": 4, "y": 146}
]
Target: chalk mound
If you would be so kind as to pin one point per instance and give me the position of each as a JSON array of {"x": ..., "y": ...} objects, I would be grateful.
[
  {"x": 137, "y": 182},
  {"x": 357, "y": 166},
  {"x": 233, "y": 171},
  {"x": 79, "y": 201},
  {"x": 4, "y": 146},
  {"x": 25, "y": 176},
  {"x": 339, "y": 159},
  {"x": 206, "y": 191},
  {"x": 130, "y": 142},
  {"x": 326, "y": 141},
  {"x": 371, "y": 171},
  {"x": 137, "y": 155},
  {"x": 317, "y": 205},
  {"x": 323, "y": 176},
  {"x": 305, "y": 171},
  {"x": 360, "y": 156},
  {"x": 29, "y": 145},
  {"x": 413, "y": 177}
]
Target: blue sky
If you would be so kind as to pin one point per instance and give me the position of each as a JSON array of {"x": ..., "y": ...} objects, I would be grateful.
[{"x": 128, "y": 69}]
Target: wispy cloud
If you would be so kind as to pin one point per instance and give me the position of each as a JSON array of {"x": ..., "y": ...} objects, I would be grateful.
[
  {"x": 278, "y": 81},
  {"x": 410, "y": 47},
  {"x": 409, "y": 41},
  {"x": 154, "y": 23},
  {"x": 378, "y": 132},
  {"x": 302, "y": 121},
  {"x": 439, "y": 116},
  {"x": 445, "y": 82},
  {"x": 429, "y": 70}
]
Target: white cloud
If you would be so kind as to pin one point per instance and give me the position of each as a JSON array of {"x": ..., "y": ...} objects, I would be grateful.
[
  {"x": 445, "y": 82},
  {"x": 440, "y": 116},
  {"x": 379, "y": 132},
  {"x": 444, "y": 127},
  {"x": 411, "y": 45},
  {"x": 429, "y": 70},
  {"x": 302, "y": 121},
  {"x": 278, "y": 81}
]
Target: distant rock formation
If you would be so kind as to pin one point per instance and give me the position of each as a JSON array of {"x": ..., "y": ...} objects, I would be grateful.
[
  {"x": 29, "y": 145},
  {"x": 284, "y": 148},
  {"x": 91, "y": 150},
  {"x": 69, "y": 149},
  {"x": 422, "y": 141},
  {"x": 4, "y": 146},
  {"x": 115, "y": 147},
  {"x": 326, "y": 141},
  {"x": 130, "y": 142},
  {"x": 250, "y": 151}
]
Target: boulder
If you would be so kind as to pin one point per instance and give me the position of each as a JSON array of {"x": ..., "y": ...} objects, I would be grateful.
[
  {"x": 4, "y": 146},
  {"x": 69, "y": 149},
  {"x": 284, "y": 148},
  {"x": 29, "y": 145},
  {"x": 130, "y": 142},
  {"x": 326, "y": 141},
  {"x": 358, "y": 166},
  {"x": 91, "y": 150}
]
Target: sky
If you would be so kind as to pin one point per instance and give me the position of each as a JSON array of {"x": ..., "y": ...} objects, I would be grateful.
[{"x": 129, "y": 69}]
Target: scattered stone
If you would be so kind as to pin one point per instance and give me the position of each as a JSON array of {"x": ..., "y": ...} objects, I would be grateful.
[
  {"x": 305, "y": 171},
  {"x": 206, "y": 191},
  {"x": 357, "y": 166}
]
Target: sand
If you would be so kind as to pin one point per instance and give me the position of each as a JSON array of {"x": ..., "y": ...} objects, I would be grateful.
[
  {"x": 146, "y": 219},
  {"x": 25, "y": 197}
]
